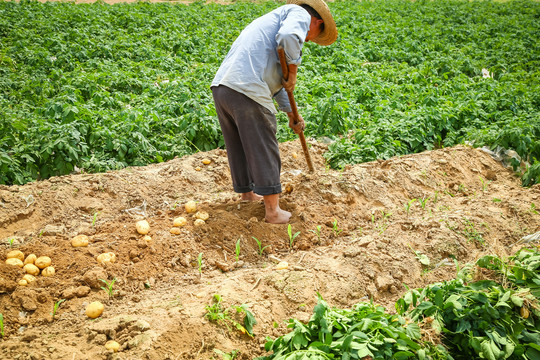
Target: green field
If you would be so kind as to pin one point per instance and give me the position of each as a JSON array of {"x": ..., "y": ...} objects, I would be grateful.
[{"x": 100, "y": 87}]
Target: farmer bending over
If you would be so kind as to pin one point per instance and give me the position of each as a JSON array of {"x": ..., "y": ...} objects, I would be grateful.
[{"x": 243, "y": 89}]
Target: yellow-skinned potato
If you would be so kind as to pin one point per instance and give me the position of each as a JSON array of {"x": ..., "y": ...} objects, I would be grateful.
[
  {"x": 43, "y": 261},
  {"x": 175, "y": 231},
  {"x": 15, "y": 254},
  {"x": 108, "y": 257},
  {"x": 203, "y": 215},
  {"x": 23, "y": 282},
  {"x": 179, "y": 221},
  {"x": 79, "y": 241},
  {"x": 31, "y": 269},
  {"x": 30, "y": 259},
  {"x": 191, "y": 206},
  {"x": 143, "y": 227},
  {"x": 29, "y": 278},
  {"x": 15, "y": 262},
  {"x": 94, "y": 309},
  {"x": 199, "y": 222},
  {"x": 48, "y": 271},
  {"x": 148, "y": 240},
  {"x": 112, "y": 345},
  {"x": 206, "y": 161}
]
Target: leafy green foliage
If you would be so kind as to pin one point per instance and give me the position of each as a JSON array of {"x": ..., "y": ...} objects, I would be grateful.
[
  {"x": 364, "y": 331},
  {"x": 522, "y": 270},
  {"x": 102, "y": 87},
  {"x": 479, "y": 320}
]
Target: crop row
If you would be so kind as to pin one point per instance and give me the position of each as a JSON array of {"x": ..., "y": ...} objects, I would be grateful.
[{"x": 100, "y": 87}]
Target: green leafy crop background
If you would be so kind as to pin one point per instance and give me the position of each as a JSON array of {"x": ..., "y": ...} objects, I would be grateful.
[{"x": 101, "y": 87}]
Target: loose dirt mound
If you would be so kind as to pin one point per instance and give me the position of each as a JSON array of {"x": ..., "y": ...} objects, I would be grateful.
[{"x": 359, "y": 231}]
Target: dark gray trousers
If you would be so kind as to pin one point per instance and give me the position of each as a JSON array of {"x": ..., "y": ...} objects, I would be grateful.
[{"x": 249, "y": 130}]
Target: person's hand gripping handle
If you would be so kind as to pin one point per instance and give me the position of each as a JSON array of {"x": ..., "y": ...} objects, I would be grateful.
[{"x": 295, "y": 121}]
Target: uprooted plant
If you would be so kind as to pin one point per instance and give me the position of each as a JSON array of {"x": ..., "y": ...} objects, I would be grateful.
[{"x": 228, "y": 316}]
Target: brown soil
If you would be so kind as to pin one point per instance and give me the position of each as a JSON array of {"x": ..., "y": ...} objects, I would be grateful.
[{"x": 471, "y": 206}]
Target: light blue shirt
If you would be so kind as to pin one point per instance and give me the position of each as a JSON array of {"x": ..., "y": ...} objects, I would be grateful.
[{"x": 252, "y": 65}]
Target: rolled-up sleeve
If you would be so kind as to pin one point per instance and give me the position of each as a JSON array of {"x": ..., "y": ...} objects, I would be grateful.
[
  {"x": 282, "y": 99},
  {"x": 292, "y": 34}
]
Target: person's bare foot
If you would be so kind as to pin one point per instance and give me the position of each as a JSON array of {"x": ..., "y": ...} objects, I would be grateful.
[
  {"x": 250, "y": 196},
  {"x": 278, "y": 217},
  {"x": 274, "y": 214}
]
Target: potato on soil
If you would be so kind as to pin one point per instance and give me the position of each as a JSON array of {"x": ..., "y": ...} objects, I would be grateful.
[
  {"x": 143, "y": 227},
  {"x": 48, "y": 271},
  {"x": 43, "y": 261},
  {"x": 175, "y": 231},
  {"x": 146, "y": 241},
  {"x": 203, "y": 215},
  {"x": 206, "y": 161},
  {"x": 29, "y": 278},
  {"x": 23, "y": 282},
  {"x": 79, "y": 241},
  {"x": 94, "y": 309},
  {"x": 31, "y": 269},
  {"x": 191, "y": 207},
  {"x": 15, "y": 254},
  {"x": 30, "y": 259},
  {"x": 15, "y": 262},
  {"x": 179, "y": 221},
  {"x": 108, "y": 257},
  {"x": 199, "y": 222},
  {"x": 112, "y": 345}
]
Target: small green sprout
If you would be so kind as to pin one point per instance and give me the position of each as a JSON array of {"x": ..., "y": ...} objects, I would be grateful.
[
  {"x": 422, "y": 258},
  {"x": 237, "y": 250},
  {"x": 261, "y": 248},
  {"x": 1, "y": 325},
  {"x": 109, "y": 287},
  {"x": 408, "y": 206},
  {"x": 484, "y": 184},
  {"x": 56, "y": 306},
  {"x": 336, "y": 229},
  {"x": 94, "y": 220},
  {"x": 317, "y": 232},
  {"x": 291, "y": 236},
  {"x": 423, "y": 202}
]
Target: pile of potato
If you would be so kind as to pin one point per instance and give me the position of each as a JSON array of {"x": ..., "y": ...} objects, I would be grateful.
[
  {"x": 32, "y": 265},
  {"x": 200, "y": 218},
  {"x": 143, "y": 227}
]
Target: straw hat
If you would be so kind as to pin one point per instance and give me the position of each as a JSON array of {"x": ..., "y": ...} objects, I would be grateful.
[{"x": 329, "y": 34}]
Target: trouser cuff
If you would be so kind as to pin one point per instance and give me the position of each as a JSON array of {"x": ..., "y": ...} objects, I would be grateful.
[
  {"x": 242, "y": 189},
  {"x": 267, "y": 190}
]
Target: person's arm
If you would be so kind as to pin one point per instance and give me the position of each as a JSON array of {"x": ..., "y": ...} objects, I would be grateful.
[
  {"x": 291, "y": 81},
  {"x": 291, "y": 35}
]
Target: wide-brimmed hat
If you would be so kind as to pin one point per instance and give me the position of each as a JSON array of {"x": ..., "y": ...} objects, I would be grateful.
[{"x": 329, "y": 34}]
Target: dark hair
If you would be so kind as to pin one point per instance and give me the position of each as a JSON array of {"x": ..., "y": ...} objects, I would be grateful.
[{"x": 313, "y": 13}]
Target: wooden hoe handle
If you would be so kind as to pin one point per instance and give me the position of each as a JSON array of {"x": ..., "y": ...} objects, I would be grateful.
[{"x": 285, "y": 70}]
